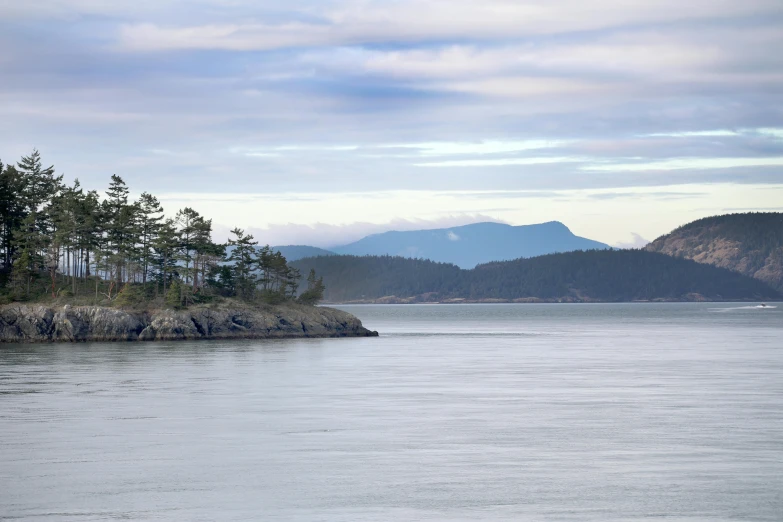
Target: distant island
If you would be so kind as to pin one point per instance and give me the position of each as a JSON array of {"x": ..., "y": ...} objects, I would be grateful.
[
  {"x": 465, "y": 246},
  {"x": 734, "y": 257},
  {"x": 749, "y": 243},
  {"x": 582, "y": 276},
  {"x": 76, "y": 266}
]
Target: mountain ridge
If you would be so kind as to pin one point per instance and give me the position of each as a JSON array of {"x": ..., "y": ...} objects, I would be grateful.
[
  {"x": 470, "y": 245},
  {"x": 295, "y": 252}
]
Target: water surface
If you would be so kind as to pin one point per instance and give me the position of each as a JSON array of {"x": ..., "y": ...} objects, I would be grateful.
[{"x": 457, "y": 412}]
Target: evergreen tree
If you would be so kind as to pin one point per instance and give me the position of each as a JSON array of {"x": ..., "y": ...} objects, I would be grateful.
[
  {"x": 12, "y": 210},
  {"x": 40, "y": 182},
  {"x": 206, "y": 253},
  {"x": 150, "y": 217},
  {"x": 243, "y": 263},
  {"x": 315, "y": 289},
  {"x": 74, "y": 238},
  {"x": 293, "y": 276},
  {"x": 165, "y": 247},
  {"x": 174, "y": 294},
  {"x": 21, "y": 276},
  {"x": 188, "y": 227},
  {"x": 118, "y": 226}
]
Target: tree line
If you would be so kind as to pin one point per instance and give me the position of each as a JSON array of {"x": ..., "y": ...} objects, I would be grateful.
[{"x": 64, "y": 240}]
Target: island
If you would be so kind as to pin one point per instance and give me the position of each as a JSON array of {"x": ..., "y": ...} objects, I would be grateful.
[
  {"x": 76, "y": 265},
  {"x": 25, "y": 323}
]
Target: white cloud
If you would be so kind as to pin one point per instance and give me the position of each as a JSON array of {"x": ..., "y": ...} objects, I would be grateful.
[
  {"x": 327, "y": 220},
  {"x": 689, "y": 134},
  {"x": 637, "y": 54},
  {"x": 687, "y": 163},
  {"x": 636, "y": 241},
  {"x": 774, "y": 133},
  {"x": 327, "y": 235},
  {"x": 500, "y": 162},
  {"x": 720, "y": 133},
  {"x": 357, "y": 22},
  {"x": 520, "y": 86},
  {"x": 452, "y": 236},
  {"x": 482, "y": 147}
]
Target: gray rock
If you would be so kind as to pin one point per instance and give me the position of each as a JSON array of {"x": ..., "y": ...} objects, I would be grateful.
[{"x": 37, "y": 323}]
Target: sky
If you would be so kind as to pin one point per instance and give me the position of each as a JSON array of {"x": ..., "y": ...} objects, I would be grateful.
[{"x": 319, "y": 122}]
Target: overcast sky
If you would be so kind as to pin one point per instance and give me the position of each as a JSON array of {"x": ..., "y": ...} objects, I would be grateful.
[{"x": 317, "y": 122}]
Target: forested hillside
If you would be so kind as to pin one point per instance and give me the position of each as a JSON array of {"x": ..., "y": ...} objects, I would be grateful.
[
  {"x": 605, "y": 275},
  {"x": 750, "y": 243},
  {"x": 66, "y": 242},
  {"x": 370, "y": 277}
]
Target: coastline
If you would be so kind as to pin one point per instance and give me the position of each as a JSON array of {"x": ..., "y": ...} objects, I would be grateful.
[
  {"x": 37, "y": 323},
  {"x": 534, "y": 300}
]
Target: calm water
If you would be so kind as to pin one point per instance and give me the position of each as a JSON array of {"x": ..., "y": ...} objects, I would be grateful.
[{"x": 493, "y": 412}]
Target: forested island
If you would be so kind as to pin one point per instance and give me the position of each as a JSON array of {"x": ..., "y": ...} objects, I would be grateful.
[
  {"x": 750, "y": 243},
  {"x": 78, "y": 265},
  {"x": 580, "y": 276}
]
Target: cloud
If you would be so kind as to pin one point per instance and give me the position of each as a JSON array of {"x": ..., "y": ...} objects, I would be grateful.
[
  {"x": 366, "y": 22},
  {"x": 637, "y": 241},
  {"x": 689, "y": 163},
  {"x": 481, "y": 147},
  {"x": 688, "y": 134},
  {"x": 452, "y": 236},
  {"x": 663, "y": 195},
  {"x": 281, "y": 108},
  {"x": 329, "y": 236},
  {"x": 500, "y": 162}
]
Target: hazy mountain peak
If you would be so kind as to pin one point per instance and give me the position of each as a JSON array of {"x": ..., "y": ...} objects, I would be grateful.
[{"x": 473, "y": 244}]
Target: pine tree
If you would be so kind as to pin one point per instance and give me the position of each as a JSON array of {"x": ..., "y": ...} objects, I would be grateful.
[
  {"x": 117, "y": 222},
  {"x": 31, "y": 242},
  {"x": 40, "y": 183},
  {"x": 206, "y": 252},
  {"x": 243, "y": 260},
  {"x": 12, "y": 210},
  {"x": 188, "y": 222},
  {"x": 70, "y": 235},
  {"x": 293, "y": 276},
  {"x": 90, "y": 229},
  {"x": 150, "y": 217},
  {"x": 165, "y": 246},
  {"x": 315, "y": 289},
  {"x": 174, "y": 294},
  {"x": 21, "y": 276}
]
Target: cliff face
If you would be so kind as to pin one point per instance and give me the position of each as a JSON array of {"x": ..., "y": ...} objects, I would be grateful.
[
  {"x": 20, "y": 323},
  {"x": 751, "y": 244}
]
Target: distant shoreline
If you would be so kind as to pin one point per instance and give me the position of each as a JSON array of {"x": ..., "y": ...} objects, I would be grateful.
[{"x": 396, "y": 301}]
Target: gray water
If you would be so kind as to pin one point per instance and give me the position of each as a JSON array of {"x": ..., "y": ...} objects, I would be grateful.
[{"x": 469, "y": 412}]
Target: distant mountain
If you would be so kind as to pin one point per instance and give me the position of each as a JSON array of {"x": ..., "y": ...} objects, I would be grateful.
[
  {"x": 295, "y": 252},
  {"x": 605, "y": 275},
  {"x": 470, "y": 245},
  {"x": 750, "y": 243}
]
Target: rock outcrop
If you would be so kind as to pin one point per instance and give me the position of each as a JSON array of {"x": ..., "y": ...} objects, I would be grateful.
[{"x": 24, "y": 323}]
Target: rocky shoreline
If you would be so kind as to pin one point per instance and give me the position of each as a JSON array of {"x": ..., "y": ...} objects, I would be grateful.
[{"x": 31, "y": 323}]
